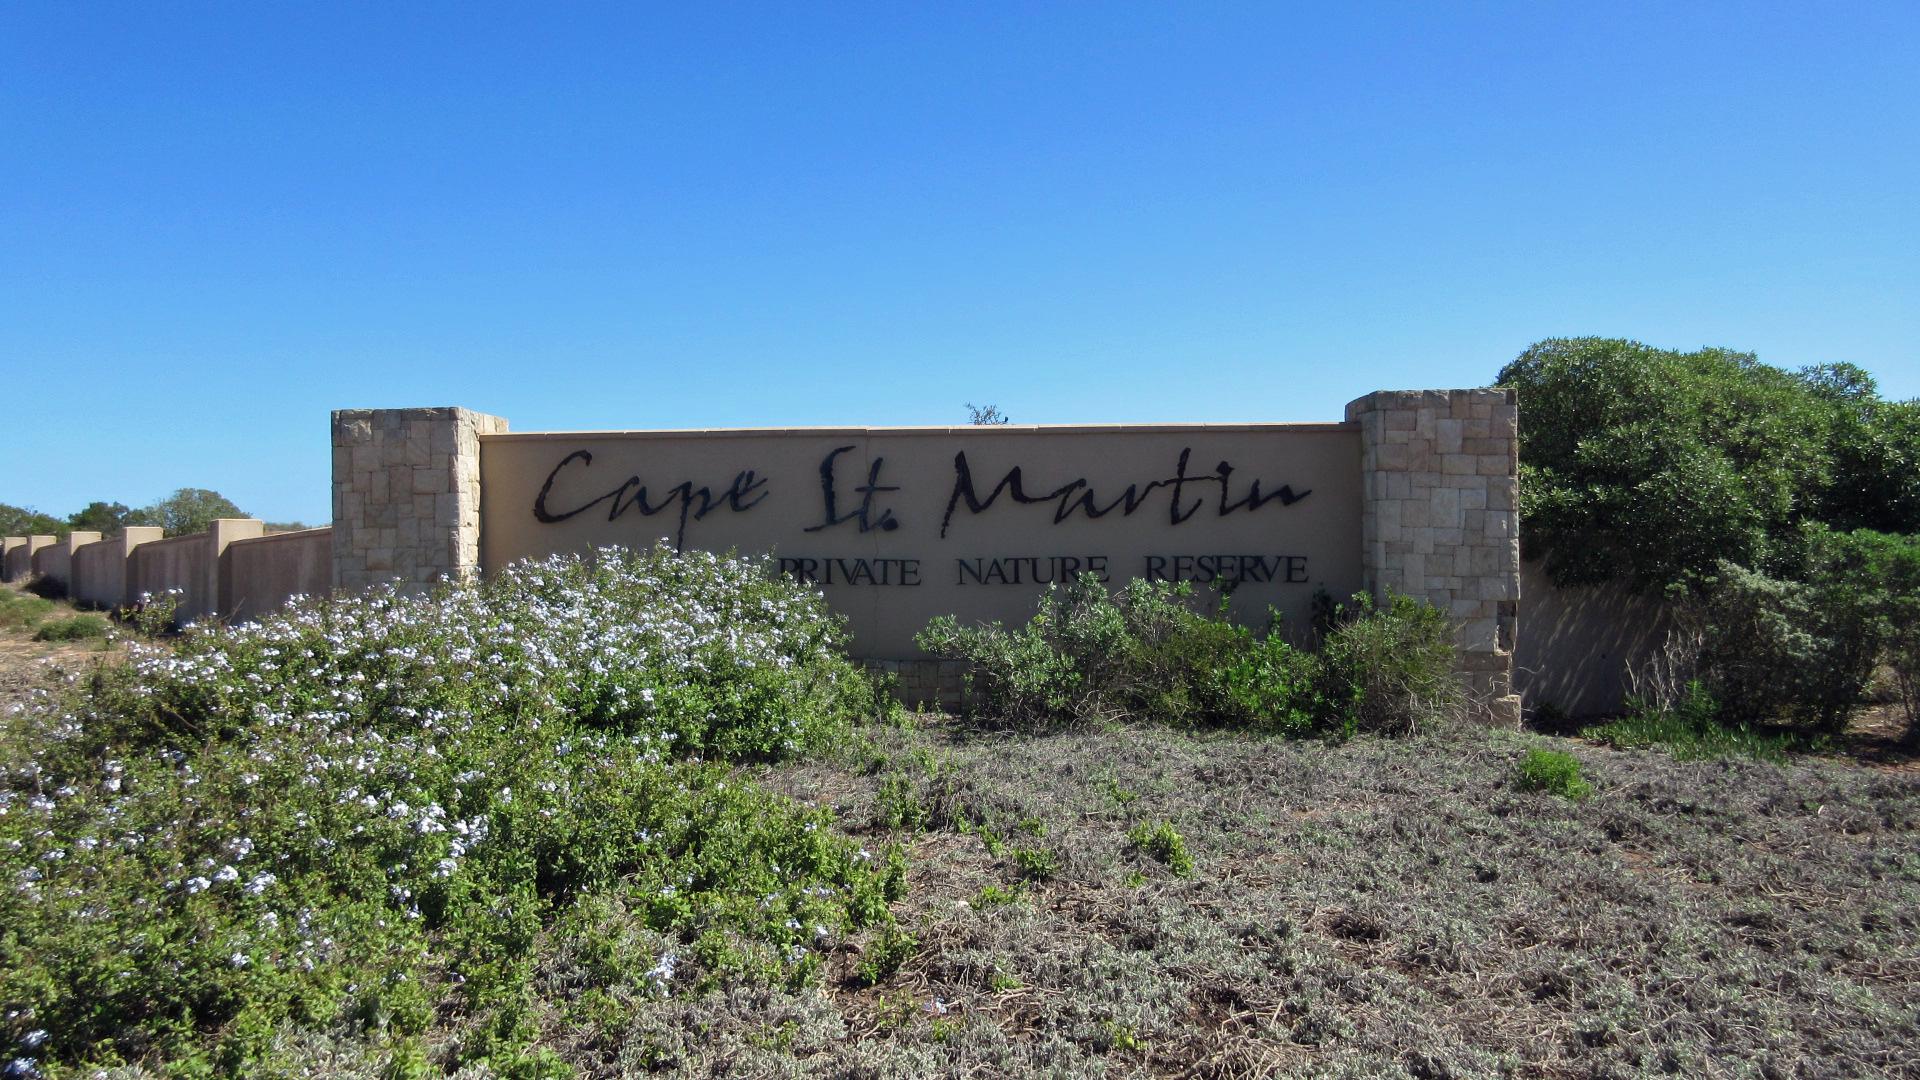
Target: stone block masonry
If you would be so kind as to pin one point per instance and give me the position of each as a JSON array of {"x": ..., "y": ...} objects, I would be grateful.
[
  {"x": 1440, "y": 520},
  {"x": 406, "y": 494}
]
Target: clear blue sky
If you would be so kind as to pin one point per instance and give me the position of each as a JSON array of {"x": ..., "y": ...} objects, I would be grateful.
[{"x": 217, "y": 222}]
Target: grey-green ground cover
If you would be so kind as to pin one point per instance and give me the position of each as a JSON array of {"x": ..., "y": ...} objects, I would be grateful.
[{"x": 1377, "y": 908}]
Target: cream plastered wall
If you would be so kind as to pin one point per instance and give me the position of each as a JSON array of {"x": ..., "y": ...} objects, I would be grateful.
[{"x": 899, "y": 525}]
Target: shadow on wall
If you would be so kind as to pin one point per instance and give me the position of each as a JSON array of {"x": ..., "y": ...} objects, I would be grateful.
[{"x": 1577, "y": 644}]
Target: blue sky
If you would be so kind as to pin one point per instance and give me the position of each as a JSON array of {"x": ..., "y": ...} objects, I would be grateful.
[{"x": 218, "y": 222}]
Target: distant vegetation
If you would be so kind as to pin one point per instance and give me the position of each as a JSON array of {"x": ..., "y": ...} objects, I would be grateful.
[
  {"x": 187, "y": 510},
  {"x": 1778, "y": 511}
]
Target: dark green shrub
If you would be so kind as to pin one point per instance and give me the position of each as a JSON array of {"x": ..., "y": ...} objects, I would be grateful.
[
  {"x": 74, "y": 628},
  {"x": 1389, "y": 669},
  {"x": 1088, "y": 656},
  {"x": 1145, "y": 653},
  {"x": 1552, "y": 771},
  {"x": 1651, "y": 465},
  {"x": 1802, "y": 645}
]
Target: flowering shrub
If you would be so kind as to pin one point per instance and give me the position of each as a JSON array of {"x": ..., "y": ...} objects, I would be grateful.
[{"x": 367, "y": 811}]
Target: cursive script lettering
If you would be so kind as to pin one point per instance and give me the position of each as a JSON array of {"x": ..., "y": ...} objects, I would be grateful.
[
  {"x": 743, "y": 494},
  {"x": 1079, "y": 495}
]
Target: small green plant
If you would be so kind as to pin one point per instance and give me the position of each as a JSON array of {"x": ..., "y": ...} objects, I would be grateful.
[
  {"x": 888, "y": 949},
  {"x": 82, "y": 627},
  {"x": 1160, "y": 842},
  {"x": 898, "y": 804},
  {"x": 1035, "y": 863},
  {"x": 1124, "y": 1038},
  {"x": 1554, "y": 772},
  {"x": 993, "y": 896},
  {"x": 1121, "y": 796}
]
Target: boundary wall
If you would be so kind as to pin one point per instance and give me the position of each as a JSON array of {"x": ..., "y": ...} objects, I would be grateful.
[
  {"x": 1583, "y": 641},
  {"x": 233, "y": 571}
]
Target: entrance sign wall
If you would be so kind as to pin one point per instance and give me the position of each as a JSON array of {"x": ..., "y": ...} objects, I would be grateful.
[{"x": 1414, "y": 491}]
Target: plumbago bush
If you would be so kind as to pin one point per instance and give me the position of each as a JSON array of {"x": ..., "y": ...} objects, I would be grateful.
[{"x": 371, "y": 813}]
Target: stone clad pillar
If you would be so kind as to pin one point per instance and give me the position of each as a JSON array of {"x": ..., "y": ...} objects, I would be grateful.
[
  {"x": 1440, "y": 521},
  {"x": 406, "y": 494}
]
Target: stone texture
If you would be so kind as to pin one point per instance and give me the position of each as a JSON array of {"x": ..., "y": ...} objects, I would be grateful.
[
  {"x": 1440, "y": 485},
  {"x": 406, "y": 494},
  {"x": 925, "y": 684}
]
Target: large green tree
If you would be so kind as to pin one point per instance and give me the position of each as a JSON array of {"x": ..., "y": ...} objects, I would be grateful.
[
  {"x": 188, "y": 510},
  {"x": 1650, "y": 466},
  {"x": 24, "y": 521},
  {"x": 105, "y": 518},
  {"x": 1781, "y": 506}
]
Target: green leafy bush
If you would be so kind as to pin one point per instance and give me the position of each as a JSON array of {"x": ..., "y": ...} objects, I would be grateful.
[
  {"x": 1552, "y": 771},
  {"x": 1803, "y": 645},
  {"x": 1389, "y": 669},
  {"x": 1145, "y": 653},
  {"x": 367, "y": 811}
]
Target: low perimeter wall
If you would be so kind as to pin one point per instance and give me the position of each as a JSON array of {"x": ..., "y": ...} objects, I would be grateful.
[
  {"x": 1581, "y": 642},
  {"x": 178, "y": 563},
  {"x": 20, "y": 554},
  {"x": 51, "y": 562},
  {"x": 231, "y": 572},
  {"x": 265, "y": 572},
  {"x": 100, "y": 571}
]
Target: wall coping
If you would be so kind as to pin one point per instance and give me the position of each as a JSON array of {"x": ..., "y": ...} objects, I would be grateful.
[
  {"x": 182, "y": 538},
  {"x": 296, "y": 534},
  {"x": 982, "y": 430}
]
